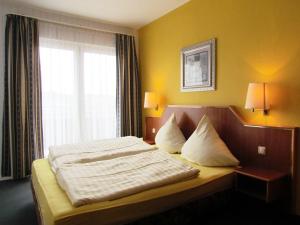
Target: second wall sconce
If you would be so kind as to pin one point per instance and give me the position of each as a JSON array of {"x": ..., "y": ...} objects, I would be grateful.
[{"x": 256, "y": 97}]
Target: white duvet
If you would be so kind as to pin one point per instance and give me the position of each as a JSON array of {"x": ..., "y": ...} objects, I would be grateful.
[
  {"x": 122, "y": 176},
  {"x": 96, "y": 151},
  {"x": 113, "y": 168}
]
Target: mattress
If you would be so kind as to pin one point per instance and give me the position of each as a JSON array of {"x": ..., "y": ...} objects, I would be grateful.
[{"x": 56, "y": 209}]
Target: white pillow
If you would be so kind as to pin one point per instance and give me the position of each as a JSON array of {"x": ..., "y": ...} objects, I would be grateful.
[
  {"x": 206, "y": 148},
  {"x": 169, "y": 137}
]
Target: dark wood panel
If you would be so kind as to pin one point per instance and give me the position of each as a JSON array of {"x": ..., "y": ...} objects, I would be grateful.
[
  {"x": 243, "y": 140},
  {"x": 151, "y": 123},
  {"x": 296, "y": 183}
]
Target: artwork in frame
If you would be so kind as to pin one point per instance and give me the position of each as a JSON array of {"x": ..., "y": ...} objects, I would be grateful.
[{"x": 198, "y": 67}]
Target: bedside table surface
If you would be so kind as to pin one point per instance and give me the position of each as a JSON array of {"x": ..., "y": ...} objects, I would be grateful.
[
  {"x": 261, "y": 174},
  {"x": 150, "y": 142}
]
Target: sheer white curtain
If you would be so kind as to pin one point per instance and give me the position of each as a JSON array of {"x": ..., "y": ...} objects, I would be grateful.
[{"x": 78, "y": 70}]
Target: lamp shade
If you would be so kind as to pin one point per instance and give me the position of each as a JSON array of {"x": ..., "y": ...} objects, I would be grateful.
[
  {"x": 256, "y": 97},
  {"x": 150, "y": 100}
]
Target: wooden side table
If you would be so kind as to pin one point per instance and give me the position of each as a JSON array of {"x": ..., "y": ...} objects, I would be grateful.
[{"x": 264, "y": 184}]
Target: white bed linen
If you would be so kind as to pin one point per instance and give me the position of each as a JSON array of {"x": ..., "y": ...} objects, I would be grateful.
[
  {"x": 110, "y": 179},
  {"x": 96, "y": 150}
]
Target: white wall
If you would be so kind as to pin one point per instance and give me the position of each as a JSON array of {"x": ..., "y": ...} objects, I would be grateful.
[{"x": 13, "y": 8}]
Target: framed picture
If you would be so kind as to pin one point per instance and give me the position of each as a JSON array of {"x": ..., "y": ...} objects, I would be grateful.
[{"x": 198, "y": 67}]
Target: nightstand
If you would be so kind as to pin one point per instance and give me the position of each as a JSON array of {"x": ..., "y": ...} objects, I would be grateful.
[{"x": 267, "y": 185}]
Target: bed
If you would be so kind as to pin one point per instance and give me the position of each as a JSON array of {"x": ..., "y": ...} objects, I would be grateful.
[{"x": 54, "y": 207}]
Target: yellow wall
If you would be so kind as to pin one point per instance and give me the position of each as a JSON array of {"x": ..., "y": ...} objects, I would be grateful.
[{"x": 257, "y": 41}]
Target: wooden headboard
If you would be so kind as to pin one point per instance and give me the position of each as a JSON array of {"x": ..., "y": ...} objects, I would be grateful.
[{"x": 241, "y": 138}]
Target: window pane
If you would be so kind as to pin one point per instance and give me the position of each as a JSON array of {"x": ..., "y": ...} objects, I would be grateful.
[
  {"x": 99, "y": 95},
  {"x": 60, "y": 113},
  {"x": 79, "y": 92}
]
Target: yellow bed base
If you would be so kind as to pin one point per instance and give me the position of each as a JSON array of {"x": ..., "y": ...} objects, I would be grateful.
[{"x": 55, "y": 208}]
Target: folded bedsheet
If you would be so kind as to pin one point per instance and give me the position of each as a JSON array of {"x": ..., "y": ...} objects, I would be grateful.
[
  {"x": 122, "y": 176},
  {"x": 95, "y": 151}
]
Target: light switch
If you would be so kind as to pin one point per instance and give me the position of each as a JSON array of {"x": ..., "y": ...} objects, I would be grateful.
[
  {"x": 153, "y": 130},
  {"x": 261, "y": 150}
]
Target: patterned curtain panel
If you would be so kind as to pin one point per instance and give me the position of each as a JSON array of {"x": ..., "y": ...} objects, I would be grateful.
[
  {"x": 128, "y": 87},
  {"x": 22, "y": 119}
]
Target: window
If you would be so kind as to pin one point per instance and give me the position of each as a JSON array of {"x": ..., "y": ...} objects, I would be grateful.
[{"x": 78, "y": 90}]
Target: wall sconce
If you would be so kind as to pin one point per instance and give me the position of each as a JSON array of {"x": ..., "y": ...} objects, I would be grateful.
[
  {"x": 256, "y": 98},
  {"x": 151, "y": 100}
]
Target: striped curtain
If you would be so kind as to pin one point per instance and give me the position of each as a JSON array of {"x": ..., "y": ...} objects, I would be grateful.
[
  {"x": 128, "y": 87},
  {"x": 22, "y": 120}
]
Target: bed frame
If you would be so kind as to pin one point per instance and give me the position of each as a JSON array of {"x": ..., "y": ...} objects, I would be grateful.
[{"x": 241, "y": 138}]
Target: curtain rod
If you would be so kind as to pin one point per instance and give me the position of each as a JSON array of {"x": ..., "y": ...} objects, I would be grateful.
[{"x": 71, "y": 25}]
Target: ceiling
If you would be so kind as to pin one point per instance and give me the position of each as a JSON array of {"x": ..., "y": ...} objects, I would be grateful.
[{"x": 129, "y": 13}]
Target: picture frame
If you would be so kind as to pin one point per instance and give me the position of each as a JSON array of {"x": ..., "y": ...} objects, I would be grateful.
[{"x": 198, "y": 67}]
